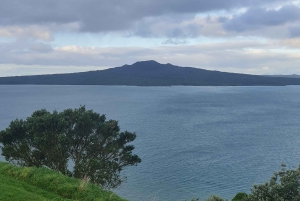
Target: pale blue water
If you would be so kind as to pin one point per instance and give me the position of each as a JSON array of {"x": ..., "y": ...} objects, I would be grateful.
[{"x": 194, "y": 141}]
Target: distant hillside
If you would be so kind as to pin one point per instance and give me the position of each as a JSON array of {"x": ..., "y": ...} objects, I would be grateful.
[
  {"x": 289, "y": 76},
  {"x": 152, "y": 73}
]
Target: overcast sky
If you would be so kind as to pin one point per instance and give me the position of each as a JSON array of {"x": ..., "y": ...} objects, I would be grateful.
[{"x": 58, "y": 36}]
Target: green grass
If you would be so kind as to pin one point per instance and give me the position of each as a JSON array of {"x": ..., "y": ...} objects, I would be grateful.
[
  {"x": 12, "y": 189},
  {"x": 30, "y": 183}
]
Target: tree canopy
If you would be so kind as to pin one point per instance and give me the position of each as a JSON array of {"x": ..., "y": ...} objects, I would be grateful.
[
  {"x": 283, "y": 186},
  {"x": 94, "y": 145}
]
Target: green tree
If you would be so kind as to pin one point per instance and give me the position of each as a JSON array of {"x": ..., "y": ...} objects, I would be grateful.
[
  {"x": 97, "y": 148},
  {"x": 214, "y": 198},
  {"x": 240, "y": 197},
  {"x": 283, "y": 186}
]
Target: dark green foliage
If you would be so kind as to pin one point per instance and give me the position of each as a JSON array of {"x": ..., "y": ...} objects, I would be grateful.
[
  {"x": 240, "y": 197},
  {"x": 97, "y": 148},
  {"x": 31, "y": 183},
  {"x": 211, "y": 198},
  {"x": 194, "y": 199},
  {"x": 283, "y": 186},
  {"x": 38, "y": 141},
  {"x": 214, "y": 198}
]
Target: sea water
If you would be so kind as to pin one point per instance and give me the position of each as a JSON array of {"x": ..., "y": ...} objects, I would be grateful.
[{"x": 193, "y": 141}]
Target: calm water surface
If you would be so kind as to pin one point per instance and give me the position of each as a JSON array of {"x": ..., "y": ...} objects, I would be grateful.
[{"x": 193, "y": 141}]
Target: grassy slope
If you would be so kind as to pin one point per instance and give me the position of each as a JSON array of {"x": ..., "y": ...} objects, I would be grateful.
[
  {"x": 18, "y": 184},
  {"x": 12, "y": 189}
]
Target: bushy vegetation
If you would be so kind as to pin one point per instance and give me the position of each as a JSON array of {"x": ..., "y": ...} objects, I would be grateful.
[
  {"x": 240, "y": 196},
  {"x": 31, "y": 183},
  {"x": 214, "y": 198},
  {"x": 96, "y": 146},
  {"x": 211, "y": 198},
  {"x": 283, "y": 186}
]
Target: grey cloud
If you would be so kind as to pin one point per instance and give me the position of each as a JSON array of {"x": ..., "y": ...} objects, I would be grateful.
[
  {"x": 30, "y": 12},
  {"x": 294, "y": 31},
  {"x": 41, "y": 48},
  {"x": 102, "y": 15},
  {"x": 222, "y": 19},
  {"x": 143, "y": 30},
  {"x": 189, "y": 31},
  {"x": 162, "y": 27},
  {"x": 171, "y": 41},
  {"x": 208, "y": 19},
  {"x": 254, "y": 18}
]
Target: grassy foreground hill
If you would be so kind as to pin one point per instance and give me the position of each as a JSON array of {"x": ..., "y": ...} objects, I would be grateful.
[{"x": 41, "y": 184}]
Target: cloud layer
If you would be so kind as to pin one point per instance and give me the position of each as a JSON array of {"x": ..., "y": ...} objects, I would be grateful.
[
  {"x": 259, "y": 18},
  {"x": 210, "y": 34},
  {"x": 117, "y": 15}
]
